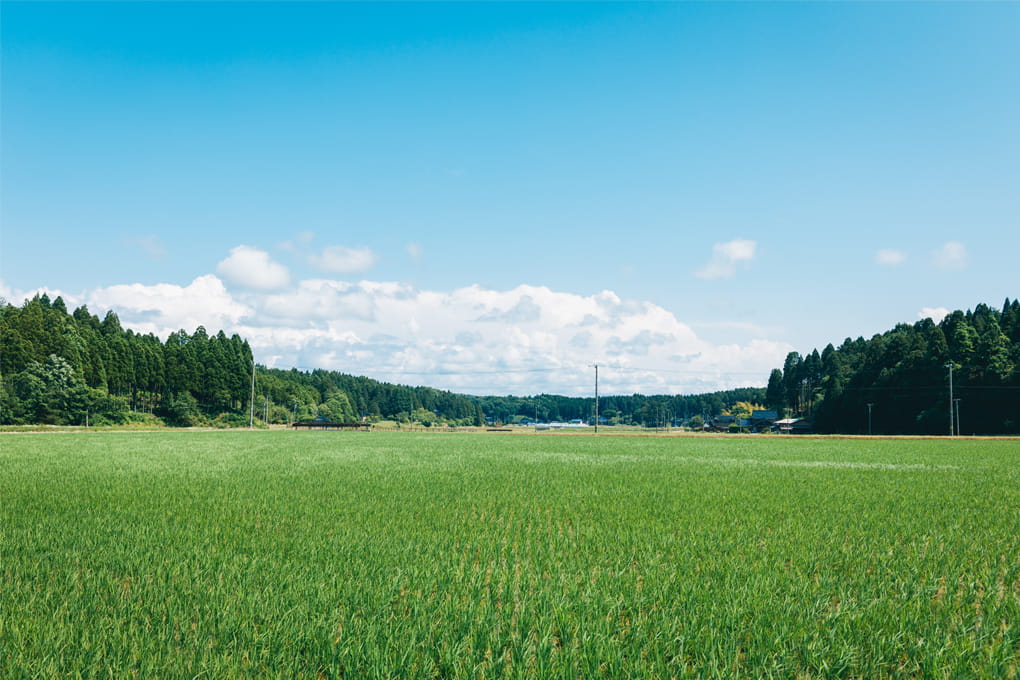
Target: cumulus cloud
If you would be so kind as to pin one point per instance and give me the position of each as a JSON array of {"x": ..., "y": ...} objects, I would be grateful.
[
  {"x": 166, "y": 307},
  {"x": 726, "y": 257},
  {"x": 252, "y": 268},
  {"x": 318, "y": 299},
  {"x": 526, "y": 340},
  {"x": 525, "y": 311},
  {"x": 889, "y": 257},
  {"x": 18, "y": 297},
  {"x": 952, "y": 256},
  {"x": 343, "y": 260},
  {"x": 936, "y": 314}
]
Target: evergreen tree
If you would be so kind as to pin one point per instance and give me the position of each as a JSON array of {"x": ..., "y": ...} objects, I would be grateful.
[
  {"x": 792, "y": 381},
  {"x": 993, "y": 353},
  {"x": 775, "y": 392}
]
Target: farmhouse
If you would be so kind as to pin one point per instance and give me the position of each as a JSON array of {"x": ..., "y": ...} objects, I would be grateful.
[
  {"x": 793, "y": 426},
  {"x": 321, "y": 423},
  {"x": 721, "y": 423},
  {"x": 762, "y": 420}
]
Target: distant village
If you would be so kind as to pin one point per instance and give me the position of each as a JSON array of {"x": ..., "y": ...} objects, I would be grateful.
[{"x": 760, "y": 421}]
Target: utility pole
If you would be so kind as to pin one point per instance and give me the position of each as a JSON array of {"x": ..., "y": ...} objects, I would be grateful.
[
  {"x": 596, "y": 398},
  {"x": 951, "y": 429},
  {"x": 869, "y": 418},
  {"x": 251, "y": 402},
  {"x": 295, "y": 412}
]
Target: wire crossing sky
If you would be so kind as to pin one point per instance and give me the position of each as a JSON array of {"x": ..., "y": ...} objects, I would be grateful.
[{"x": 433, "y": 193}]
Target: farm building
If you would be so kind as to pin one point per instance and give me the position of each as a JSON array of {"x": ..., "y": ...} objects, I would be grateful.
[
  {"x": 721, "y": 423},
  {"x": 763, "y": 420},
  {"x": 793, "y": 426}
]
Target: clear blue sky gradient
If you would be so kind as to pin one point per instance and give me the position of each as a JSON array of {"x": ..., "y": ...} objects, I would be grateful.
[{"x": 577, "y": 146}]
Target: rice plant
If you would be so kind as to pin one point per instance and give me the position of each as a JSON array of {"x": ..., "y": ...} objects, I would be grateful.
[{"x": 396, "y": 555}]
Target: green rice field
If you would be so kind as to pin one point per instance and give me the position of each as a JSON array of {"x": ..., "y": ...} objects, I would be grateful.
[{"x": 277, "y": 554}]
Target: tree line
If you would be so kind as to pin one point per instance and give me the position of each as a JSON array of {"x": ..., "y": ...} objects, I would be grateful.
[
  {"x": 65, "y": 368},
  {"x": 73, "y": 368},
  {"x": 62, "y": 368},
  {"x": 662, "y": 410},
  {"x": 293, "y": 395},
  {"x": 898, "y": 381}
]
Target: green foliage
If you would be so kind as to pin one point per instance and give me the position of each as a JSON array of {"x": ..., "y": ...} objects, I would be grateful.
[
  {"x": 902, "y": 373},
  {"x": 425, "y": 418},
  {"x": 66, "y": 369},
  {"x": 304, "y": 555},
  {"x": 743, "y": 409},
  {"x": 48, "y": 393},
  {"x": 774, "y": 392},
  {"x": 225, "y": 420},
  {"x": 337, "y": 408},
  {"x": 342, "y": 397},
  {"x": 648, "y": 411},
  {"x": 106, "y": 409},
  {"x": 182, "y": 410}
]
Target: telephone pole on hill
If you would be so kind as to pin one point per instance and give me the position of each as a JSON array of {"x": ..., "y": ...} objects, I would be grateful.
[
  {"x": 951, "y": 428},
  {"x": 251, "y": 401}
]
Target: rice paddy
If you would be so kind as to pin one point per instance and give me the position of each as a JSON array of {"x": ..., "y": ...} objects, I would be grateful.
[{"x": 422, "y": 555}]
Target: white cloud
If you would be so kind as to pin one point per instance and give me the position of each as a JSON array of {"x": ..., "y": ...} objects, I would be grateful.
[
  {"x": 166, "y": 307},
  {"x": 952, "y": 256},
  {"x": 18, "y": 297},
  {"x": 342, "y": 260},
  {"x": 936, "y": 314},
  {"x": 317, "y": 299},
  {"x": 252, "y": 268},
  {"x": 890, "y": 257},
  {"x": 725, "y": 257},
  {"x": 525, "y": 340}
]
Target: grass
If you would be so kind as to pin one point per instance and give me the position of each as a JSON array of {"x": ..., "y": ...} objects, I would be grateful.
[{"x": 411, "y": 555}]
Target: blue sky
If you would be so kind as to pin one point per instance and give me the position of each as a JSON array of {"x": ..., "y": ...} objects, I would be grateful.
[{"x": 489, "y": 197}]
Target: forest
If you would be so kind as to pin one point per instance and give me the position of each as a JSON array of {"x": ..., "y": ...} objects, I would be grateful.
[
  {"x": 73, "y": 368},
  {"x": 61, "y": 368},
  {"x": 904, "y": 375}
]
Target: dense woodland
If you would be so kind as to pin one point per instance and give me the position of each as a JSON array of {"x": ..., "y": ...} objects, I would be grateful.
[
  {"x": 64, "y": 368},
  {"x": 904, "y": 375}
]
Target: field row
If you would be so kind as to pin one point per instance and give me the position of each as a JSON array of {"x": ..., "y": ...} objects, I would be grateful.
[{"x": 328, "y": 555}]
